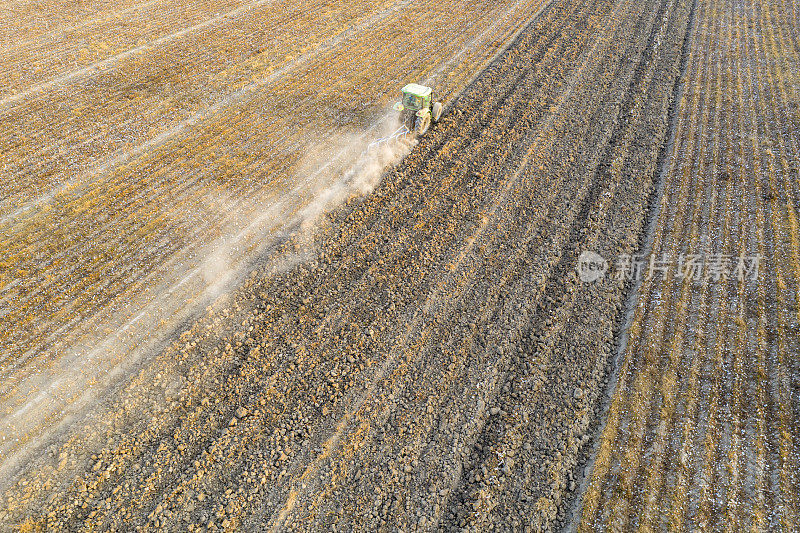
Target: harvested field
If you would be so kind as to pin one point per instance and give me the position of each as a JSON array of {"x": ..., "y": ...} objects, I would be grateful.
[
  {"x": 702, "y": 432},
  {"x": 221, "y": 315}
]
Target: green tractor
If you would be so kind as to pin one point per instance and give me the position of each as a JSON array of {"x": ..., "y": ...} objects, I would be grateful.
[{"x": 418, "y": 108}]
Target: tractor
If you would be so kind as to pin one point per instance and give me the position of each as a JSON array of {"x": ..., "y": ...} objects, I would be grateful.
[{"x": 418, "y": 108}]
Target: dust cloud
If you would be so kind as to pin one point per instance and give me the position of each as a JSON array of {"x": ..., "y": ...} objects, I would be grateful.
[{"x": 48, "y": 402}]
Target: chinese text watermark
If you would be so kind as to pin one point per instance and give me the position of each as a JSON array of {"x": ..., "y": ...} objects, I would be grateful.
[{"x": 696, "y": 267}]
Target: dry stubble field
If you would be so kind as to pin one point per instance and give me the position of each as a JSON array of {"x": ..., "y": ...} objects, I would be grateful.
[{"x": 703, "y": 430}]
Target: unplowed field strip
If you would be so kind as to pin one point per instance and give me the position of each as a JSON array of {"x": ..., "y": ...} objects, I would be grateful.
[{"x": 703, "y": 427}]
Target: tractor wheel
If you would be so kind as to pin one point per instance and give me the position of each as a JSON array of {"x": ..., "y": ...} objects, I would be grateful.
[
  {"x": 436, "y": 112},
  {"x": 422, "y": 124}
]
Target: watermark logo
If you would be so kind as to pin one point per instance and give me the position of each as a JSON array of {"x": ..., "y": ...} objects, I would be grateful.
[
  {"x": 591, "y": 267},
  {"x": 697, "y": 267}
]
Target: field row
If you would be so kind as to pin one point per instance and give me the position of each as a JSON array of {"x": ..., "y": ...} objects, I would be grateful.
[{"x": 703, "y": 427}]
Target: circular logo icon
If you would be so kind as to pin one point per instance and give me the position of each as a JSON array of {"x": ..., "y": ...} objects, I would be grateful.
[{"x": 591, "y": 267}]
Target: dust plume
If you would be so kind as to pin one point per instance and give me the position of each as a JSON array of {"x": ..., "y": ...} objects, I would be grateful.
[{"x": 329, "y": 173}]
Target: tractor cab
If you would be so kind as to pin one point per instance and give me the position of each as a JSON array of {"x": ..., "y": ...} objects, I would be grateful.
[
  {"x": 417, "y": 109},
  {"x": 416, "y": 97}
]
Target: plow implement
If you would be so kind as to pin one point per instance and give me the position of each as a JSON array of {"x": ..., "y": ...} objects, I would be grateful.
[{"x": 401, "y": 133}]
